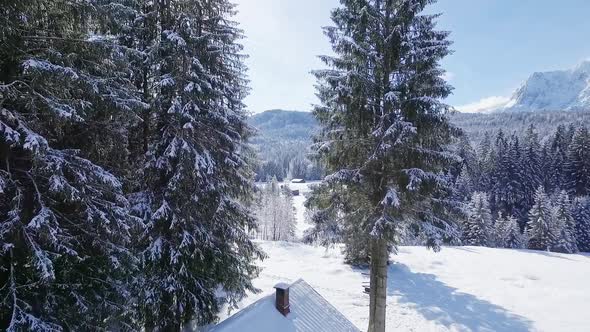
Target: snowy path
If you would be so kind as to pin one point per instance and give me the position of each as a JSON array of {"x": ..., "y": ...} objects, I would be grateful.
[
  {"x": 459, "y": 289},
  {"x": 298, "y": 203}
]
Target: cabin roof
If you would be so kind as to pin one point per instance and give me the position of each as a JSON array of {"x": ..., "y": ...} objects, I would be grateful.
[{"x": 310, "y": 312}]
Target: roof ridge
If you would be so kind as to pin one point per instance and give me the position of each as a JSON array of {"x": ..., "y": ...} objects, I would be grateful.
[{"x": 300, "y": 280}]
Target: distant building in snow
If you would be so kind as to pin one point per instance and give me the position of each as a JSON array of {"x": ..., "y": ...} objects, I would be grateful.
[
  {"x": 298, "y": 181},
  {"x": 294, "y": 308}
]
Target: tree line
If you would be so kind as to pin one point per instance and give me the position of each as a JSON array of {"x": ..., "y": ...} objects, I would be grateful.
[
  {"x": 125, "y": 179},
  {"x": 538, "y": 187},
  {"x": 478, "y": 125},
  {"x": 287, "y": 160},
  {"x": 275, "y": 213}
]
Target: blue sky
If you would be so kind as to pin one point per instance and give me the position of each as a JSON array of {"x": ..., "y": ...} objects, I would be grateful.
[{"x": 497, "y": 45}]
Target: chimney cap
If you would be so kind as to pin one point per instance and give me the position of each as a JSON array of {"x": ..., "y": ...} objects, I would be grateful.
[{"x": 282, "y": 286}]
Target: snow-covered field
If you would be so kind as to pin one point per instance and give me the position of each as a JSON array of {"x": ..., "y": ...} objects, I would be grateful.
[{"x": 458, "y": 289}]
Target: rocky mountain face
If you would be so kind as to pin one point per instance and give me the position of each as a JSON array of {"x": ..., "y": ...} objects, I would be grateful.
[{"x": 561, "y": 90}]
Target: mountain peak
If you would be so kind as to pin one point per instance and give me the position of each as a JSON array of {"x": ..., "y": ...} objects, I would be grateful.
[
  {"x": 583, "y": 67},
  {"x": 559, "y": 90}
]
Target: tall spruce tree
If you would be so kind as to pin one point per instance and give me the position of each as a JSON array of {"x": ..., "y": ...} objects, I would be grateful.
[
  {"x": 198, "y": 175},
  {"x": 577, "y": 165},
  {"x": 543, "y": 231},
  {"x": 566, "y": 240},
  {"x": 486, "y": 161},
  {"x": 385, "y": 130},
  {"x": 581, "y": 214},
  {"x": 545, "y": 166},
  {"x": 558, "y": 156},
  {"x": 530, "y": 166},
  {"x": 509, "y": 191},
  {"x": 507, "y": 233},
  {"x": 477, "y": 228},
  {"x": 65, "y": 102}
]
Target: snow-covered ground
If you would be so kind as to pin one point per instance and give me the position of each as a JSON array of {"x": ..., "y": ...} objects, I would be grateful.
[
  {"x": 458, "y": 289},
  {"x": 298, "y": 201}
]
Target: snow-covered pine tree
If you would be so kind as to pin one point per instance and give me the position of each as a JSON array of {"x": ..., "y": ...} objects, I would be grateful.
[
  {"x": 198, "y": 178},
  {"x": 542, "y": 230},
  {"x": 557, "y": 156},
  {"x": 566, "y": 240},
  {"x": 385, "y": 130},
  {"x": 581, "y": 214},
  {"x": 465, "y": 185},
  {"x": 65, "y": 102},
  {"x": 507, "y": 233},
  {"x": 468, "y": 172},
  {"x": 530, "y": 164},
  {"x": 577, "y": 164},
  {"x": 546, "y": 166},
  {"x": 508, "y": 191},
  {"x": 327, "y": 227},
  {"x": 499, "y": 152},
  {"x": 478, "y": 227},
  {"x": 486, "y": 162}
]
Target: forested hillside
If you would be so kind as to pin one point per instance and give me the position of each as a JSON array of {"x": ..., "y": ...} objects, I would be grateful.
[
  {"x": 476, "y": 125},
  {"x": 282, "y": 126},
  {"x": 283, "y": 138}
]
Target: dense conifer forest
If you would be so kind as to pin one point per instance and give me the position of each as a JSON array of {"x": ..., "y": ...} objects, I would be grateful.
[{"x": 125, "y": 179}]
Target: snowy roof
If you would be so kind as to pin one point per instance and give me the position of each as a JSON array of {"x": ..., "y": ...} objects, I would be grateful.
[{"x": 310, "y": 312}]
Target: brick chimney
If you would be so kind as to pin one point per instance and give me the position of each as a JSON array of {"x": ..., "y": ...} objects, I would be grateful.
[{"x": 282, "y": 298}]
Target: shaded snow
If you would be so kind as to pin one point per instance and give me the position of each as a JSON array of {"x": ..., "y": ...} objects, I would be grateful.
[{"x": 458, "y": 289}]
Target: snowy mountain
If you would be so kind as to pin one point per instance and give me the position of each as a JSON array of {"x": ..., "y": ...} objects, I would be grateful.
[
  {"x": 561, "y": 90},
  {"x": 297, "y": 128}
]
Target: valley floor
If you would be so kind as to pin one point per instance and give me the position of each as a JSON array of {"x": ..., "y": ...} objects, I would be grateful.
[{"x": 458, "y": 289}]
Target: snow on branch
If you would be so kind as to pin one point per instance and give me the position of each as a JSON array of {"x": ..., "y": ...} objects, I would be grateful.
[
  {"x": 38, "y": 65},
  {"x": 391, "y": 198},
  {"x": 343, "y": 176},
  {"x": 417, "y": 177}
]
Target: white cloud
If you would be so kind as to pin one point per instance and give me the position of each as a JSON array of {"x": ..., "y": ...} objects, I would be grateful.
[
  {"x": 448, "y": 76},
  {"x": 484, "y": 105}
]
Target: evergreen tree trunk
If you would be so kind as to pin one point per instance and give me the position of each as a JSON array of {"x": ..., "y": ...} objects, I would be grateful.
[{"x": 378, "y": 293}]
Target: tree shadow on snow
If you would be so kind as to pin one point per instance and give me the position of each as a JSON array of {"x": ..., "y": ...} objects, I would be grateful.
[
  {"x": 545, "y": 253},
  {"x": 438, "y": 302},
  {"x": 471, "y": 250}
]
